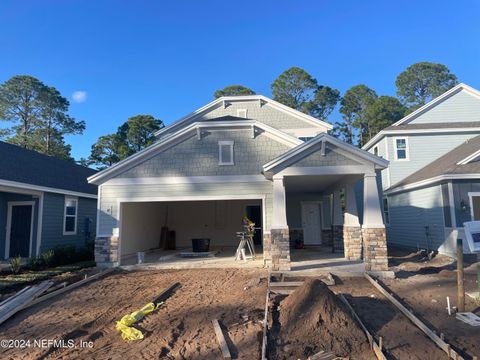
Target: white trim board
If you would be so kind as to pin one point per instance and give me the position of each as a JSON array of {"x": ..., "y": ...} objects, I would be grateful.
[
  {"x": 10, "y": 205},
  {"x": 262, "y": 100},
  {"x": 173, "y": 180},
  {"x": 431, "y": 181},
  {"x": 472, "y": 157},
  {"x": 189, "y": 131},
  {"x": 373, "y": 141},
  {"x": 36, "y": 189}
]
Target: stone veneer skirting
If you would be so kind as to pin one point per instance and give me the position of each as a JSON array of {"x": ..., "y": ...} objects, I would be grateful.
[
  {"x": 327, "y": 237},
  {"x": 375, "y": 249},
  {"x": 338, "y": 237},
  {"x": 280, "y": 249},
  {"x": 106, "y": 251},
  {"x": 352, "y": 237}
]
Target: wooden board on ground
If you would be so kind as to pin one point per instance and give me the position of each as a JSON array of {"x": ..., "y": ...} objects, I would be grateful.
[
  {"x": 286, "y": 284},
  {"x": 377, "y": 349},
  {"x": 434, "y": 337},
  {"x": 322, "y": 355},
  {"x": 18, "y": 301},
  {"x": 221, "y": 340},
  {"x": 67, "y": 288}
]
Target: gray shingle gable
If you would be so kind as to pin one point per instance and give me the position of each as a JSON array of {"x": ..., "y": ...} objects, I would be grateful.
[{"x": 193, "y": 157}]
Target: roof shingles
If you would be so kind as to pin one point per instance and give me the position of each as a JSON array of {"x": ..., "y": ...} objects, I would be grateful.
[{"x": 30, "y": 167}]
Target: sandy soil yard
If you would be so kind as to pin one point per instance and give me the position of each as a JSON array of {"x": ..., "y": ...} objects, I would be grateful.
[{"x": 179, "y": 329}]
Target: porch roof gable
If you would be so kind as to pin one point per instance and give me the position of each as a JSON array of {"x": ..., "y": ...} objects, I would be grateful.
[{"x": 295, "y": 155}]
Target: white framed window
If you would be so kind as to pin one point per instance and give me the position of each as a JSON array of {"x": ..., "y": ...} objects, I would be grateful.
[
  {"x": 70, "y": 216},
  {"x": 401, "y": 149},
  {"x": 242, "y": 113},
  {"x": 375, "y": 150},
  {"x": 225, "y": 152},
  {"x": 386, "y": 211}
]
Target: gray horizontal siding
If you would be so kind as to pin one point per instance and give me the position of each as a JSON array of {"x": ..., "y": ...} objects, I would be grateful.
[
  {"x": 194, "y": 157},
  {"x": 410, "y": 212},
  {"x": 423, "y": 150},
  {"x": 461, "y": 107},
  {"x": 108, "y": 215},
  {"x": 52, "y": 229}
]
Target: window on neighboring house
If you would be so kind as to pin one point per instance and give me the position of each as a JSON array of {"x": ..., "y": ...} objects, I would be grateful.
[
  {"x": 242, "y": 113},
  {"x": 305, "y": 138},
  {"x": 386, "y": 211},
  {"x": 375, "y": 150},
  {"x": 225, "y": 153},
  {"x": 401, "y": 149},
  {"x": 70, "y": 216}
]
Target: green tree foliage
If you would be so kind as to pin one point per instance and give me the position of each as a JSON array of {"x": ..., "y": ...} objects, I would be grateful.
[
  {"x": 353, "y": 107},
  {"x": 323, "y": 102},
  {"x": 233, "y": 90},
  {"x": 39, "y": 116},
  {"x": 383, "y": 112},
  {"x": 132, "y": 136},
  {"x": 295, "y": 88},
  {"x": 423, "y": 81},
  {"x": 299, "y": 90}
]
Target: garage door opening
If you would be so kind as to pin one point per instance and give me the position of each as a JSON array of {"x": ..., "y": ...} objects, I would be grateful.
[{"x": 219, "y": 221}]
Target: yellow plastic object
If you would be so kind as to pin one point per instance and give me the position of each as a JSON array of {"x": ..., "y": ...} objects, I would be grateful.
[{"x": 125, "y": 324}]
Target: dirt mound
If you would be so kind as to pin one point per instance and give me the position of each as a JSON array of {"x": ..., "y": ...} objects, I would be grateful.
[{"x": 313, "y": 318}]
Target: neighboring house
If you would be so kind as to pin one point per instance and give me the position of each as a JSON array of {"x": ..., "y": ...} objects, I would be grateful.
[
  {"x": 45, "y": 202},
  {"x": 236, "y": 156},
  {"x": 432, "y": 185}
]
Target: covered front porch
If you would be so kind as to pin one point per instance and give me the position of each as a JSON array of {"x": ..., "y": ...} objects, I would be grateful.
[{"x": 318, "y": 190}]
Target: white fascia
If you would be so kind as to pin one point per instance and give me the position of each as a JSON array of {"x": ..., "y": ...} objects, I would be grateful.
[{"x": 470, "y": 158}]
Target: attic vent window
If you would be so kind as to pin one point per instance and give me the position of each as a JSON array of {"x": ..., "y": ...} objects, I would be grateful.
[
  {"x": 225, "y": 153},
  {"x": 242, "y": 113}
]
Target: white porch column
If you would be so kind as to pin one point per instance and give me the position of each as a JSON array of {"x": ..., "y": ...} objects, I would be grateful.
[
  {"x": 373, "y": 230},
  {"x": 279, "y": 234},
  {"x": 372, "y": 212},
  {"x": 279, "y": 215},
  {"x": 352, "y": 232},
  {"x": 351, "y": 213}
]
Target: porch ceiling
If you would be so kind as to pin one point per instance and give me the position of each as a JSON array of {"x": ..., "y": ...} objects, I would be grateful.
[{"x": 316, "y": 183}]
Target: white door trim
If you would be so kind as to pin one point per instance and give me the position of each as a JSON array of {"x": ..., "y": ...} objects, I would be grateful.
[
  {"x": 320, "y": 213},
  {"x": 10, "y": 205}
]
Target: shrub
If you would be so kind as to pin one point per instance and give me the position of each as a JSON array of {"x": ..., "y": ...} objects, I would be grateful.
[
  {"x": 64, "y": 255},
  {"x": 15, "y": 264},
  {"x": 34, "y": 263},
  {"x": 48, "y": 258}
]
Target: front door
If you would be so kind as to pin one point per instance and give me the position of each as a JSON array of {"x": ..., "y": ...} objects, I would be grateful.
[
  {"x": 20, "y": 229},
  {"x": 254, "y": 213},
  {"x": 311, "y": 223}
]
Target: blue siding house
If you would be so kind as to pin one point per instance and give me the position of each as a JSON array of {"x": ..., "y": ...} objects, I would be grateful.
[
  {"x": 45, "y": 202},
  {"x": 432, "y": 185}
]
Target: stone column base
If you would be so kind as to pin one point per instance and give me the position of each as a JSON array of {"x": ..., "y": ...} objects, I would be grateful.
[
  {"x": 352, "y": 240},
  {"x": 106, "y": 251},
  {"x": 338, "y": 237},
  {"x": 327, "y": 237},
  {"x": 375, "y": 249},
  {"x": 280, "y": 250}
]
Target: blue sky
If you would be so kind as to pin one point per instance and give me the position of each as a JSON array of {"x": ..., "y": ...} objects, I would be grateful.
[{"x": 166, "y": 58}]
